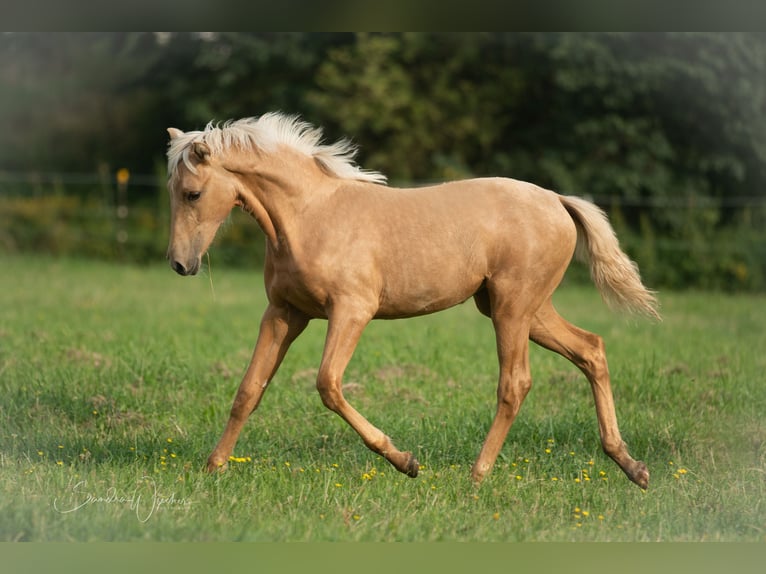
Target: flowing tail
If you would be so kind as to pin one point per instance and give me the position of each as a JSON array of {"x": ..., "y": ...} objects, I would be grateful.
[{"x": 615, "y": 275}]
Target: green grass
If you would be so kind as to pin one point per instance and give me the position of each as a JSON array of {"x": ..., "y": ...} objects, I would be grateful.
[{"x": 116, "y": 383}]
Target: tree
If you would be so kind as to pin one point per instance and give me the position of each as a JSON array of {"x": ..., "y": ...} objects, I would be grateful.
[
  {"x": 417, "y": 103},
  {"x": 73, "y": 101}
]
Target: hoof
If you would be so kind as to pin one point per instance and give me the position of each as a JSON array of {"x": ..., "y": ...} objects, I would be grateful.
[
  {"x": 215, "y": 466},
  {"x": 640, "y": 475},
  {"x": 412, "y": 467},
  {"x": 478, "y": 473}
]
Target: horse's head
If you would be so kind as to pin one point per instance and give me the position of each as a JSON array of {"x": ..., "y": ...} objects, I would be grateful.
[
  {"x": 204, "y": 189},
  {"x": 202, "y": 194}
]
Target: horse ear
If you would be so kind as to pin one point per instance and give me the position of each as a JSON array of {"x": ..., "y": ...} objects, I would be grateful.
[
  {"x": 174, "y": 133},
  {"x": 201, "y": 150}
]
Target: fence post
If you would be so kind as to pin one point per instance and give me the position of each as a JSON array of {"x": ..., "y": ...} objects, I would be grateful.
[{"x": 123, "y": 176}]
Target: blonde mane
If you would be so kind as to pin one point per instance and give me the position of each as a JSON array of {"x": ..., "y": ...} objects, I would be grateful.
[{"x": 266, "y": 133}]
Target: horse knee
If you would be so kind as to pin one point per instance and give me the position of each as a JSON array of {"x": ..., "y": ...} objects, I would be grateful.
[
  {"x": 330, "y": 392},
  {"x": 512, "y": 394}
]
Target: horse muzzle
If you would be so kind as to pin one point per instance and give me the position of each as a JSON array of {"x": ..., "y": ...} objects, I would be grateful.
[{"x": 188, "y": 269}]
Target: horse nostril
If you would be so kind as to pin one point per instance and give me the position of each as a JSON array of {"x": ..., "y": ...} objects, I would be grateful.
[{"x": 178, "y": 267}]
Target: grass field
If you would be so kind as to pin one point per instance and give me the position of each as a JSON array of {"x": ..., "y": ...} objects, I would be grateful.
[{"x": 116, "y": 382}]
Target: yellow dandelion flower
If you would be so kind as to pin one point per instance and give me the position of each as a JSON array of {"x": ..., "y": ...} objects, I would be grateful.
[
  {"x": 682, "y": 471},
  {"x": 555, "y": 478},
  {"x": 60, "y": 462},
  {"x": 577, "y": 480},
  {"x": 577, "y": 509},
  {"x": 585, "y": 513},
  {"x": 601, "y": 517},
  {"x": 547, "y": 451},
  {"x": 518, "y": 477},
  {"x": 496, "y": 516},
  {"x": 40, "y": 453},
  {"x": 338, "y": 485},
  {"x": 169, "y": 439},
  {"x": 356, "y": 517}
]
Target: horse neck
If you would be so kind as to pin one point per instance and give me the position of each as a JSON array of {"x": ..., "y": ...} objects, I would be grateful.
[{"x": 279, "y": 189}]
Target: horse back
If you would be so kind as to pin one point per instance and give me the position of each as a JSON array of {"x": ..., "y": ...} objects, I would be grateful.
[{"x": 416, "y": 251}]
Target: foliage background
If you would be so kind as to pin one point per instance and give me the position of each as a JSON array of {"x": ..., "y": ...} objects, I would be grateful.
[{"x": 666, "y": 131}]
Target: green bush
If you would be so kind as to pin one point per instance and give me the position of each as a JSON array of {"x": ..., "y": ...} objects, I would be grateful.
[{"x": 68, "y": 225}]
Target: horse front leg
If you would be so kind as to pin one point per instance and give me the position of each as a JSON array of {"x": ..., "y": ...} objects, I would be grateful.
[
  {"x": 279, "y": 328},
  {"x": 343, "y": 333}
]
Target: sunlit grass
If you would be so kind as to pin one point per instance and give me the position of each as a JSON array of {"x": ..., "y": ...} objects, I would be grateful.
[{"x": 116, "y": 382}]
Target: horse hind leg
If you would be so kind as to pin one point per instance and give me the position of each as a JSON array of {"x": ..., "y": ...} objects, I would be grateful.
[
  {"x": 586, "y": 351},
  {"x": 512, "y": 333}
]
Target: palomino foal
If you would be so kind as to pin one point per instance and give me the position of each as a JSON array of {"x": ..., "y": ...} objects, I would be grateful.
[{"x": 343, "y": 246}]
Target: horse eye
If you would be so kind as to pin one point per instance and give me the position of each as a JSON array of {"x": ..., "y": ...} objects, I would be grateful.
[{"x": 193, "y": 196}]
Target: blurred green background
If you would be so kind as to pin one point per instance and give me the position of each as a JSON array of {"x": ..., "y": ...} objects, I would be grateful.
[{"x": 666, "y": 131}]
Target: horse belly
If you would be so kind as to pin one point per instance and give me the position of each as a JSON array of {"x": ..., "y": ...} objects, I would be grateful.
[{"x": 415, "y": 287}]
